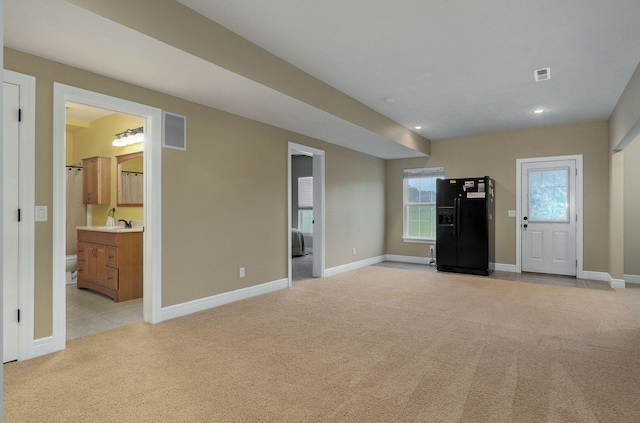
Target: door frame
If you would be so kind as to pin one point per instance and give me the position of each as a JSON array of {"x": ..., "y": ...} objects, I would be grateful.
[
  {"x": 579, "y": 206},
  {"x": 318, "y": 163},
  {"x": 152, "y": 267},
  {"x": 26, "y": 254}
]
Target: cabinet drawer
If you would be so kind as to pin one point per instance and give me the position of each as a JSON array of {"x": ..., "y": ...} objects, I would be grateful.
[
  {"x": 96, "y": 237},
  {"x": 82, "y": 248},
  {"x": 112, "y": 278},
  {"x": 112, "y": 256}
]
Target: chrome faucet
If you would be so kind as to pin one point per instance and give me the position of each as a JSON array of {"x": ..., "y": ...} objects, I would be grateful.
[{"x": 127, "y": 224}]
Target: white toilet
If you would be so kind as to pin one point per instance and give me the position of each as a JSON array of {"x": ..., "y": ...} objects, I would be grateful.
[{"x": 71, "y": 266}]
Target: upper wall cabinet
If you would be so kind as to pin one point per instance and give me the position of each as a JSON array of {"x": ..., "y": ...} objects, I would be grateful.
[{"x": 96, "y": 180}]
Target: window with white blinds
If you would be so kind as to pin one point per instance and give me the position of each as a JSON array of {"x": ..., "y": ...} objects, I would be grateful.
[
  {"x": 420, "y": 203},
  {"x": 305, "y": 204}
]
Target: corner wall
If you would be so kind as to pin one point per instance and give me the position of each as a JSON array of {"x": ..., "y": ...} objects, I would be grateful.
[
  {"x": 495, "y": 155},
  {"x": 624, "y": 128}
]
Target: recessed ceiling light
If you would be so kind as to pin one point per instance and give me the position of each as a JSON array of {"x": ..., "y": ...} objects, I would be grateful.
[
  {"x": 389, "y": 100},
  {"x": 418, "y": 127},
  {"x": 538, "y": 111}
]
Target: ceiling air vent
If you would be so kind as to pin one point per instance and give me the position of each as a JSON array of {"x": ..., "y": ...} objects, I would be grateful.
[{"x": 542, "y": 74}]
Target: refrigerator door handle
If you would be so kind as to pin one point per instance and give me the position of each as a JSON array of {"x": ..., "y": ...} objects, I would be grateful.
[{"x": 456, "y": 226}]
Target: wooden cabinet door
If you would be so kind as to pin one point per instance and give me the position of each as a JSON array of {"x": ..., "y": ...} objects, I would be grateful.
[
  {"x": 100, "y": 257},
  {"x": 91, "y": 264},
  {"x": 96, "y": 180},
  {"x": 89, "y": 181}
]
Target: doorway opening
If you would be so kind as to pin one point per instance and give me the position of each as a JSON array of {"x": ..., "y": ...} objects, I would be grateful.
[
  {"x": 91, "y": 133},
  {"x": 136, "y": 115},
  {"x": 305, "y": 212}
]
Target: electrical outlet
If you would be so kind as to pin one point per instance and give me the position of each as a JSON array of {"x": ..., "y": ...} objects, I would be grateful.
[
  {"x": 354, "y": 251},
  {"x": 242, "y": 272}
]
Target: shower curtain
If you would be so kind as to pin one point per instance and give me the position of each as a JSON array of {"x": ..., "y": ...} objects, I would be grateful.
[
  {"x": 76, "y": 210},
  {"x": 131, "y": 190}
]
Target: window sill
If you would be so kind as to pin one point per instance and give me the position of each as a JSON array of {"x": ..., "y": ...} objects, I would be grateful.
[{"x": 419, "y": 240}]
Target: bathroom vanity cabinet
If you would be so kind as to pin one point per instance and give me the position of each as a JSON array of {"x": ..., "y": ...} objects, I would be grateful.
[
  {"x": 111, "y": 263},
  {"x": 96, "y": 180}
]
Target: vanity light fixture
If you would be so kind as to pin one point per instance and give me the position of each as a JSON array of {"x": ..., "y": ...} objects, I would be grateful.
[{"x": 128, "y": 137}]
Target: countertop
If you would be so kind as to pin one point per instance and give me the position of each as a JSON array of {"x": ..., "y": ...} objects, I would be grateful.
[{"x": 114, "y": 229}]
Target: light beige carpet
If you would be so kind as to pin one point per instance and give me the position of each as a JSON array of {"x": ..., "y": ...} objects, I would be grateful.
[{"x": 372, "y": 345}]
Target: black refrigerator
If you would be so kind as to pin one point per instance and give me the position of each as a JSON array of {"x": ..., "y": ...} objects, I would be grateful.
[{"x": 465, "y": 225}]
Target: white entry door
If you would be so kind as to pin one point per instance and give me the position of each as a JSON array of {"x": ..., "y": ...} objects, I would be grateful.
[
  {"x": 549, "y": 216},
  {"x": 11, "y": 190}
]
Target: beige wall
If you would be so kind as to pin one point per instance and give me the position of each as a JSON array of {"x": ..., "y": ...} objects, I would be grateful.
[
  {"x": 623, "y": 122},
  {"x": 632, "y": 208},
  {"x": 495, "y": 155},
  {"x": 627, "y": 111},
  {"x": 224, "y": 200}
]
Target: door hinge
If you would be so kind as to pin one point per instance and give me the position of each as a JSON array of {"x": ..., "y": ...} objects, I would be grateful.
[
  {"x": 19, "y": 216},
  {"x": 19, "y": 115},
  {"x": 18, "y": 315}
]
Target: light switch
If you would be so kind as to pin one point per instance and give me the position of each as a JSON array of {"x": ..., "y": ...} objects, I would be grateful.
[
  {"x": 41, "y": 213},
  {"x": 512, "y": 213}
]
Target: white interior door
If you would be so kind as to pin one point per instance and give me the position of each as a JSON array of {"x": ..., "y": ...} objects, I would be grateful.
[
  {"x": 11, "y": 190},
  {"x": 549, "y": 216}
]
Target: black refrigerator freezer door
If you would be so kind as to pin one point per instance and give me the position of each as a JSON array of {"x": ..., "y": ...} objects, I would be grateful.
[{"x": 446, "y": 237}]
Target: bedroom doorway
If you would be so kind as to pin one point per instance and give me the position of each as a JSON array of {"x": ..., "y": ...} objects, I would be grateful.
[{"x": 306, "y": 212}]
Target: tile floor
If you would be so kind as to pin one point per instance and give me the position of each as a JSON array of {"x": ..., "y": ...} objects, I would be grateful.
[{"x": 89, "y": 312}]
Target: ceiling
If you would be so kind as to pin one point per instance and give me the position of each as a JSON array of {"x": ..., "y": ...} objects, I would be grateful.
[
  {"x": 85, "y": 113},
  {"x": 455, "y": 68}
]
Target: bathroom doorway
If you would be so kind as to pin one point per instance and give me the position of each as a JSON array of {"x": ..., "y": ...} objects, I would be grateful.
[
  {"x": 98, "y": 132},
  {"x": 151, "y": 119}
]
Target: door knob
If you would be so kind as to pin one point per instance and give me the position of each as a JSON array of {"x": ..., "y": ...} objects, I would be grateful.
[
  {"x": 525, "y": 218},
  {"x": 525, "y": 226}
]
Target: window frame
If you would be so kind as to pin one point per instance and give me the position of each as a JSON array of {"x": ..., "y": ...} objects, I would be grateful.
[{"x": 426, "y": 172}]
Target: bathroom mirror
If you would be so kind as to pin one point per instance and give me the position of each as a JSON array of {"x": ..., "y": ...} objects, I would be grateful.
[{"x": 130, "y": 179}]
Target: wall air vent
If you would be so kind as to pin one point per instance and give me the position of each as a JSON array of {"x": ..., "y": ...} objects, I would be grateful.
[{"x": 542, "y": 74}]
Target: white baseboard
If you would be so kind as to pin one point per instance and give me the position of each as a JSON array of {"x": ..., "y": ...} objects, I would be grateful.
[
  {"x": 353, "y": 266},
  {"x": 500, "y": 267},
  {"x": 201, "y": 304},
  {"x": 616, "y": 283},
  {"x": 427, "y": 260},
  {"x": 632, "y": 279},
  {"x": 408, "y": 259}
]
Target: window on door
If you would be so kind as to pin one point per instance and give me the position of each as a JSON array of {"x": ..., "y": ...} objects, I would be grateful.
[
  {"x": 420, "y": 203},
  {"x": 305, "y": 204},
  {"x": 549, "y": 195}
]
